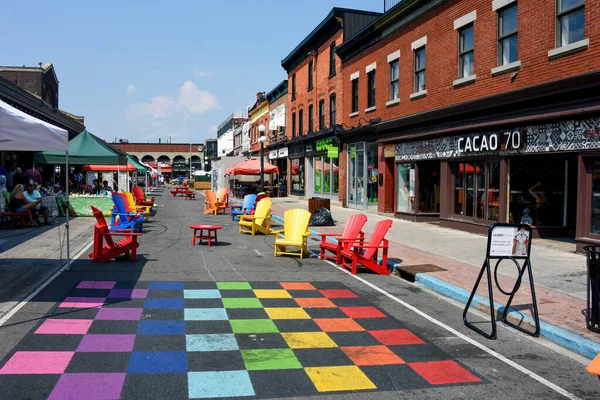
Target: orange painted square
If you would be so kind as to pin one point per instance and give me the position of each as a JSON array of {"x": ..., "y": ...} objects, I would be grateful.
[
  {"x": 371, "y": 355},
  {"x": 391, "y": 337},
  {"x": 338, "y": 325},
  {"x": 315, "y": 303},
  {"x": 297, "y": 286},
  {"x": 362, "y": 312},
  {"x": 443, "y": 372},
  {"x": 338, "y": 294}
]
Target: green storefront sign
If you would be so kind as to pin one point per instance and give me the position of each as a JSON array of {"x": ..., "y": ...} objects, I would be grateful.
[{"x": 329, "y": 146}]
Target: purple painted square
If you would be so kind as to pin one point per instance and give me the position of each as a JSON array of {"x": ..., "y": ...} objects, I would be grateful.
[
  {"x": 106, "y": 343},
  {"x": 104, "y": 386},
  {"x": 119, "y": 314},
  {"x": 128, "y": 293},
  {"x": 96, "y": 285}
]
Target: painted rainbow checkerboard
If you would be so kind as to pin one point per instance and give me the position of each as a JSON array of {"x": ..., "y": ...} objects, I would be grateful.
[{"x": 143, "y": 340}]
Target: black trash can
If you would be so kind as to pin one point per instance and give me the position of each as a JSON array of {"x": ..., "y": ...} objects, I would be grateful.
[
  {"x": 592, "y": 312},
  {"x": 317, "y": 202}
]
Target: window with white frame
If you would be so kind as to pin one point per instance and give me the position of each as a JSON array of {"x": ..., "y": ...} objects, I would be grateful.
[
  {"x": 508, "y": 51},
  {"x": 465, "y": 51},
  {"x": 420, "y": 69},
  {"x": 394, "y": 79},
  {"x": 570, "y": 21}
]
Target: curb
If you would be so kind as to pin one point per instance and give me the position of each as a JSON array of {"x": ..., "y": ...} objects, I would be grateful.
[{"x": 562, "y": 337}]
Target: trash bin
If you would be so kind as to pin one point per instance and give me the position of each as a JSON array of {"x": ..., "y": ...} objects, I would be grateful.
[
  {"x": 592, "y": 312},
  {"x": 317, "y": 202}
]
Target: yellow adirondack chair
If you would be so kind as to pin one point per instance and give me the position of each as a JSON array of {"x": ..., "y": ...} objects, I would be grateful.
[
  {"x": 132, "y": 206},
  {"x": 211, "y": 205},
  {"x": 260, "y": 221},
  {"x": 295, "y": 233}
]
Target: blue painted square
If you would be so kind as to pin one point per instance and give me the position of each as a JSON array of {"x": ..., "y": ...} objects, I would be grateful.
[
  {"x": 155, "y": 327},
  {"x": 213, "y": 384},
  {"x": 166, "y": 286},
  {"x": 164, "y": 303},
  {"x": 201, "y": 294},
  {"x": 157, "y": 362},
  {"x": 205, "y": 314},
  {"x": 211, "y": 342}
]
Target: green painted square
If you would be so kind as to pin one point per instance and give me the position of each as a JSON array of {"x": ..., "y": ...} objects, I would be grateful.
[
  {"x": 233, "y": 286},
  {"x": 242, "y": 303},
  {"x": 265, "y": 359},
  {"x": 253, "y": 326}
]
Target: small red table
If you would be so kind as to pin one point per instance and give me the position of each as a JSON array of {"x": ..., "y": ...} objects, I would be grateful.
[{"x": 211, "y": 233}]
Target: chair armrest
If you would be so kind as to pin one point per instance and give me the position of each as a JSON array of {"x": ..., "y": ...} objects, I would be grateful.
[
  {"x": 306, "y": 234},
  {"x": 235, "y": 207},
  {"x": 370, "y": 247},
  {"x": 328, "y": 234},
  {"x": 120, "y": 234},
  {"x": 277, "y": 232}
]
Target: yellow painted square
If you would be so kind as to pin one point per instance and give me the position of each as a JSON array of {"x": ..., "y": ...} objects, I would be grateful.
[
  {"x": 287, "y": 313},
  {"x": 308, "y": 340},
  {"x": 272, "y": 294},
  {"x": 332, "y": 379}
]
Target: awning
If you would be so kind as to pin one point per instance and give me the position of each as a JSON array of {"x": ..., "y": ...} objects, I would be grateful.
[
  {"x": 109, "y": 168},
  {"x": 84, "y": 148}
]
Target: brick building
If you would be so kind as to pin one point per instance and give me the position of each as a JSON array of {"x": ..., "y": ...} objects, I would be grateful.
[
  {"x": 489, "y": 109},
  {"x": 259, "y": 115},
  {"x": 314, "y": 91},
  {"x": 174, "y": 158},
  {"x": 277, "y": 140}
]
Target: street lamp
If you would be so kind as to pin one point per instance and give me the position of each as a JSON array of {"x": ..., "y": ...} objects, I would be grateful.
[{"x": 262, "y": 139}]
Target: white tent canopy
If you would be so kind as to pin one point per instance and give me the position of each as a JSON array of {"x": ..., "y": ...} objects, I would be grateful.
[{"x": 22, "y": 132}]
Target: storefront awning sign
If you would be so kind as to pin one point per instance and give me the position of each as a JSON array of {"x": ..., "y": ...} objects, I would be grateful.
[
  {"x": 332, "y": 152},
  {"x": 282, "y": 153},
  {"x": 272, "y": 154}
]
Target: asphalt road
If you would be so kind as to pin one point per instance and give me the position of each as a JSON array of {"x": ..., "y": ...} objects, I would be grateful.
[{"x": 514, "y": 366}]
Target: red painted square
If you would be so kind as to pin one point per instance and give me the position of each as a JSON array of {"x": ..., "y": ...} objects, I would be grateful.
[
  {"x": 362, "y": 312},
  {"x": 338, "y": 294},
  {"x": 314, "y": 303},
  {"x": 443, "y": 372},
  {"x": 338, "y": 325},
  {"x": 371, "y": 355},
  {"x": 297, "y": 286},
  {"x": 391, "y": 337}
]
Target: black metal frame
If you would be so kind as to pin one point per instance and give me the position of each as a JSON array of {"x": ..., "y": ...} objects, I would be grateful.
[{"x": 487, "y": 268}]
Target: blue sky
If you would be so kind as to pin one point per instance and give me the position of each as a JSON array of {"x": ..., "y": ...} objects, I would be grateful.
[{"x": 144, "y": 70}]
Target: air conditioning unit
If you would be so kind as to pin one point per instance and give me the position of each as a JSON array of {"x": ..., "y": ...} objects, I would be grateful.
[{"x": 123, "y": 140}]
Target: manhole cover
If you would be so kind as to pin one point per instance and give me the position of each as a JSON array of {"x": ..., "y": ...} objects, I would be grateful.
[{"x": 408, "y": 272}]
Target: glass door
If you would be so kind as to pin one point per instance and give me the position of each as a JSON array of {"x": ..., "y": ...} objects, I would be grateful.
[
  {"x": 356, "y": 176},
  {"x": 406, "y": 189}
]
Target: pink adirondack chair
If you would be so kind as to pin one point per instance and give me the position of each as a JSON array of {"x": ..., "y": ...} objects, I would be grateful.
[
  {"x": 366, "y": 253},
  {"x": 352, "y": 231}
]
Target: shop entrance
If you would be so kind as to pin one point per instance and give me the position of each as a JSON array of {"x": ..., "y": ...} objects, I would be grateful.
[{"x": 362, "y": 175}]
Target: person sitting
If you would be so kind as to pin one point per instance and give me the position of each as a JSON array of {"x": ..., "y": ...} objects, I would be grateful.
[
  {"x": 105, "y": 187},
  {"x": 526, "y": 219},
  {"x": 97, "y": 188},
  {"x": 34, "y": 196},
  {"x": 18, "y": 203}
]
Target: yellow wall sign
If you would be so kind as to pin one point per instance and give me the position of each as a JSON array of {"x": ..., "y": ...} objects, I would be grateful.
[{"x": 259, "y": 112}]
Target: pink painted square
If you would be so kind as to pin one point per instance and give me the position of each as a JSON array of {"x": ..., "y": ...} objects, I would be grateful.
[
  {"x": 37, "y": 362},
  {"x": 65, "y": 327},
  {"x": 82, "y": 302},
  {"x": 96, "y": 285}
]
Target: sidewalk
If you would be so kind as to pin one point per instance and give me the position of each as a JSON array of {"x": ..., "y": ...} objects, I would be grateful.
[{"x": 559, "y": 275}]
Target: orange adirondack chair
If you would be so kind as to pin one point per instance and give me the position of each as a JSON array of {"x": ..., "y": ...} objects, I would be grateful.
[
  {"x": 140, "y": 200},
  {"x": 352, "y": 230},
  {"x": 105, "y": 252},
  {"x": 223, "y": 196},
  {"x": 365, "y": 253},
  {"x": 211, "y": 205}
]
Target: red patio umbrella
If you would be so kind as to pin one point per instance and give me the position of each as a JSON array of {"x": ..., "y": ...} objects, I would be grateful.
[{"x": 251, "y": 167}]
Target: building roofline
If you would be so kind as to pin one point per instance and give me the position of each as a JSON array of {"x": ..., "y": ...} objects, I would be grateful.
[{"x": 282, "y": 87}]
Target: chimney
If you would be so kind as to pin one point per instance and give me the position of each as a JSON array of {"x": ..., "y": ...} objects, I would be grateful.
[
  {"x": 259, "y": 95},
  {"x": 40, "y": 64},
  {"x": 158, "y": 140}
]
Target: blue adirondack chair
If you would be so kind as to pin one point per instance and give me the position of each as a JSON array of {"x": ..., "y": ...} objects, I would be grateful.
[
  {"x": 125, "y": 220},
  {"x": 246, "y": 208}
]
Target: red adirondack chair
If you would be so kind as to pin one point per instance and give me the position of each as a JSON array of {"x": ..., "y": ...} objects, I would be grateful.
[
  {"x": 140, "y": 200},
  {"x": 366, "y": 253},
  {"x": 105, "y": 252},
  {"x": 352, "y": 231}
]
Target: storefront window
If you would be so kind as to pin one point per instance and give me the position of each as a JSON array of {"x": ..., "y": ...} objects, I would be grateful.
[
  {"x": 429, "y": 187},
  {"x": 319, "y": 174},
  {"x": 326, "y": 174},
  {"x": 595, "y": 227},
  {"x": 298, "y": 176},
  {"x": 477, "y": 190},
  {"x": 537, "y": 184},
  {"x": 406, "y": 188},
  {"x": 372, "y": 173}
]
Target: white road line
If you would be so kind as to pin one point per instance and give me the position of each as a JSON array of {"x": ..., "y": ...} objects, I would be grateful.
[
  {"x": 257, "y": 252},
  {"x": 67, "y": 265},
  {"x": 467, "y": 339}
]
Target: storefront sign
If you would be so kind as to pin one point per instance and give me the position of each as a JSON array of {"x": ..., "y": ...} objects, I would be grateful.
[
  {"x": 309, "y": 149},
  {"x": 491, "y": 142},
  {"x": 272, "y": 154},
  {"x": 324, "y": 144},
  {"x": 296, "y": 150},
  {"x": 389, "y": 151},
  {"x": 570, "y": 135},
  {"x": 282, "y": 152},
  {"x": 509, "y": 241},
  {"x": 332, "y": 152}
]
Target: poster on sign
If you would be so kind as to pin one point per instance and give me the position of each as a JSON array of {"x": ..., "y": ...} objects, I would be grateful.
[{"x": 509, "y": 241}]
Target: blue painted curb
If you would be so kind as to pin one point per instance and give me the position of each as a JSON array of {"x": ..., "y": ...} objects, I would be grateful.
[{"x": 562, "y": 337}]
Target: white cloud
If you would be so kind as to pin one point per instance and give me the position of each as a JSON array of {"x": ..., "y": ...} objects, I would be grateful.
[
  {"x": 203, "y": 74},
  {"x": 158, "y": 107},
  {"x": 194, "y": 100},
  {"x": 131, "y": 89}
]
